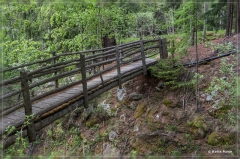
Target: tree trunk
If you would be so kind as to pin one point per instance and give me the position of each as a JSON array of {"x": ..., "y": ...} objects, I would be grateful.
[
  {"x": 173, "y": 28},
  {"x": 106, "y": 41},
  {"x": 229, "y": 18},
  {"x": 237, "y": 17},
  {"x": 204, "y": 24},
  {"x": 192, "y": 32}
]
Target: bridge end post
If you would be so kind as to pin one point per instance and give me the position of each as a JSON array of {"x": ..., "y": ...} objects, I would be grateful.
[
  {"x": 84, "y": 80},
  {"x": 163, "y": 48},
  {"x": 164, "y": 52},
  {"x": 160, "y": 48},
  {"x": 28, "y": 107}
]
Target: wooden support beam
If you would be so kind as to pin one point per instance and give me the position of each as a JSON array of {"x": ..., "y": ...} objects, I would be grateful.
[
  {"x": 84, "y": 80},
  {"x": 118, "y": 68},
  {"x": 143, "y": 57},
  {"x": 101, "y": 79},
  {"x": 28, "y": 106}
]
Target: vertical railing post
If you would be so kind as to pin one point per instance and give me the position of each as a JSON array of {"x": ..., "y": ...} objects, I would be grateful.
[
  {"x": 143, "y": 57},
  {"x": 118, "y": 68},
  {"x": 164, "y": 46},
  {"x": 94, "y": 68},
  {"x": 160, "y": 48},
  {"x": 84, "y": 80},
  {"x": 120, "y": 54},
  {"x": 55, "y": 73},
  {"x": 28, "y": 106}
]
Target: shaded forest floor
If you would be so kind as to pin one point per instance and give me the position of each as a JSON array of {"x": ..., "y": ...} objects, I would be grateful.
[{"x": 151, "y": 120}]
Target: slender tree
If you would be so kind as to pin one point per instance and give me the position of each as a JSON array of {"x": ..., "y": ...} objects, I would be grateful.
[
  {"x": 237, "y": 17},
  {"x": 197, "y": 80},
  {"x": 229, "y": 18},
  {"x": 204, "y": 23}
]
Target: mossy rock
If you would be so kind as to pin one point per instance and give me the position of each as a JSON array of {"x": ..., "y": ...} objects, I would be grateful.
[
  {"x": 218, "y": 138},
  {"x": 154, "y": 126},
  {"x": 220, "y": 112},
  {"x": 167, "y": 102},
  {"x": 198, "y": 127},
  {"x": 144, "y": 146},
  {"x": 171, "y": 104},
  {"x": 90, "y": 122},
  {"x": 151, "y": 116},
  {"x": 140, "y": 110},
  {"x": 198, "y": 133}
]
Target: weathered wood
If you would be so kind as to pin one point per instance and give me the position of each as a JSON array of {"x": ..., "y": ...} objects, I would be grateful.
[
  {"x": 102, "y": 79},
  {"x": 55, "y": 73},
  {"x": 52, "y": 70},
  {"x": 150, "y": 47},
  {"x": 84, "y": 81},
  {"x": 50, "y": 66},
  {"x": 160, "y": 48},
  {"x": 165, "y": 52},
  {"x": 118, "y": 68},
  {"x": 55, "y": 77},
  {"x": 150, "y": 41},
  {"x": 10, "y": 95},
  {"x": 100, "y": 63},
  {"x": 143, "y": 57},
  {"x": 102, "y": 71},
  {"x": 131, "y": 60},
  {"x": 93, "y": 60},
  {"x": 129, "y": 50},
  {"x": 64, "y": 54},
  {"x": 151, "y": 55},
  {"x": 131, "y": 53},
  {"x": 98, "y": 56},
  {"x": 28, "y": 106},
  {"x": 10, "y": 81},
  {"x": 126, "y": 76},
  {"x": 55, "y": 67}
]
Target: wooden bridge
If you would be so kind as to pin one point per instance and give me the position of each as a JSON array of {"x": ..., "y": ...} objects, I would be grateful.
[{"x": 69, "y": 81}]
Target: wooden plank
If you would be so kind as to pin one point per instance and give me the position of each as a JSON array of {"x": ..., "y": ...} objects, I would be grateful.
[
  {"x": 73, "y": 91},
  {"x": 18, "y": 113}
]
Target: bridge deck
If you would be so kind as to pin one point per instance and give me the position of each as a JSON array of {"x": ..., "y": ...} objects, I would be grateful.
[{"x": 48, "y": 103}]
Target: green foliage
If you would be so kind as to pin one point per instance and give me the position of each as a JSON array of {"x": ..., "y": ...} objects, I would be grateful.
[
  {"x": 221, "y": 48},
  {"x": 225, "y": 86},
  {"x": 172, "y": 72},
  {"x": 18, "y": 148}
]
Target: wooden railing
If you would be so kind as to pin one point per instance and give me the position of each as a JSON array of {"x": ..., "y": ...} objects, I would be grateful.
[{"x": 82, "y": 66}]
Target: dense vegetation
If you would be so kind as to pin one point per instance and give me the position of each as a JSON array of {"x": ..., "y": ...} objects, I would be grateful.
[
  {"x": 37, "y": 30},
  {"x": 33, "y": 31}
]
